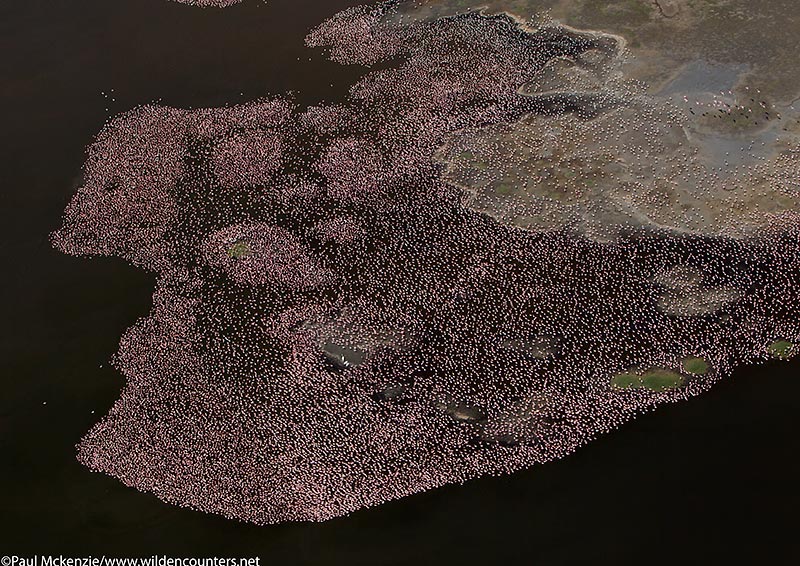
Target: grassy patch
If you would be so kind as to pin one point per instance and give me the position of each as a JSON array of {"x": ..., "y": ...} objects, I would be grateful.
[
  {"x": 239, "y": 250},
  {"x": 626, "y": 380},
  {"x": 781, "y": 349},
  {"x": 654, "y": 379},
  {"x": 661, "y": 379},
  {"x": 694, "y": 365}
]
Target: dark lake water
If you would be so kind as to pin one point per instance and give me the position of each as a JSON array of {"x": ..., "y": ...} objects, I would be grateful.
[{"x": 710, "y": 481}]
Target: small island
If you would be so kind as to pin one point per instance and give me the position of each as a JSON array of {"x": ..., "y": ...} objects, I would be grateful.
[
  {"x": 695, "y": 365},
  {"x": 781, "y": 349},
  {"x": 654, "y": 379}
]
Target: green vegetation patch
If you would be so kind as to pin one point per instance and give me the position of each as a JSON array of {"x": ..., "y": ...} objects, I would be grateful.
[
  {"x": 695, "y": 365},
  {"x": 626, "y": 380},
  {"x": 781, "y": 349},
  {"x": 654, "y": 379},
  {"x": 661, "y": 379},
  {"x": 239, "y": 250}
]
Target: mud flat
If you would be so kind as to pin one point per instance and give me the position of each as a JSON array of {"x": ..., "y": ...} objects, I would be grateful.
[{"x": 694, "y": 128}]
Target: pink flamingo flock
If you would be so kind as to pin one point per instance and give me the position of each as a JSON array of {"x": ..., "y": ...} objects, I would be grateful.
[{"x": 333, "y": 329}]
